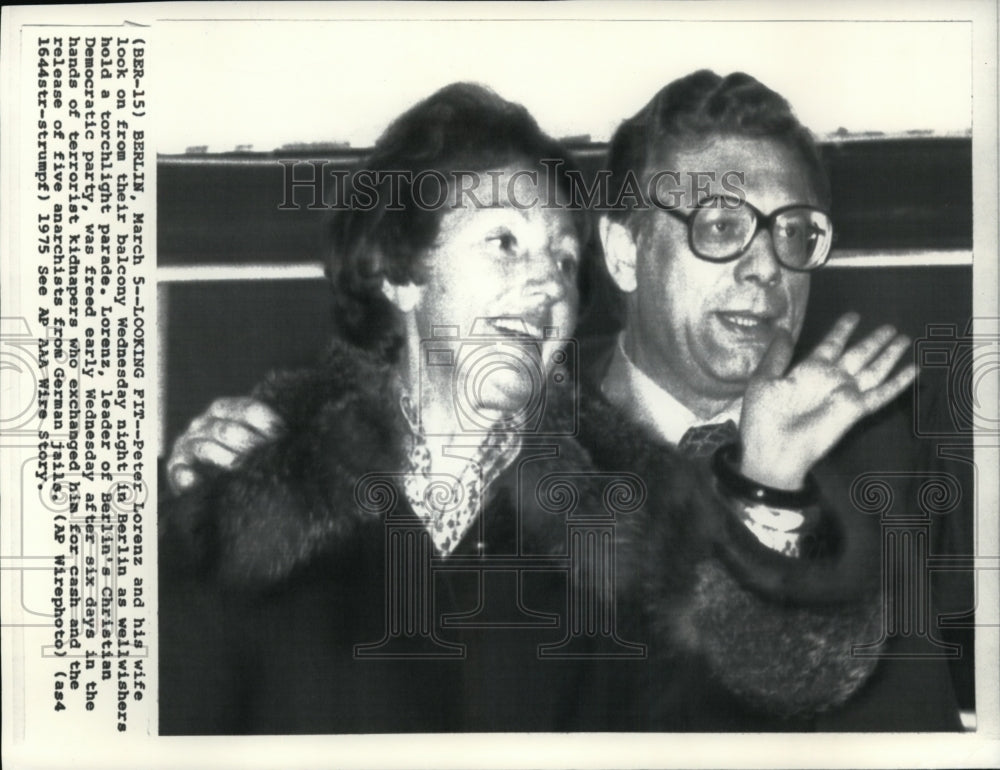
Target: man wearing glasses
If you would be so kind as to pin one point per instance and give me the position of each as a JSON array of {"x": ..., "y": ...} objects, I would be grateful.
[
  {"x": 715, "y": 284},
  {"x": 716, "y": 289}
]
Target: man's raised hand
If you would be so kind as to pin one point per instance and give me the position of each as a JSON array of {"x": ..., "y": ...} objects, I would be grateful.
[{"x": 793, "y": 417}]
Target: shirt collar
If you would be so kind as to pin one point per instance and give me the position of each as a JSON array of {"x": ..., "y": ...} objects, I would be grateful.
[{"x": 628, "y": 387}]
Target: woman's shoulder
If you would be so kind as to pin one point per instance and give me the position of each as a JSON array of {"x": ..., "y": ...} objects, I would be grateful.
[
  {"x": 291, "y": 500},
  {"x": 344, "y": 376}
]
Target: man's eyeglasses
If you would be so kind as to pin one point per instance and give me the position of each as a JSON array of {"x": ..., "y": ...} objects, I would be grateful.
[{"x": 721, "y": 229}]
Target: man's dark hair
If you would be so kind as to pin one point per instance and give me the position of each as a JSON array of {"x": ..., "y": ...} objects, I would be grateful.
[
  {"x": 702, "y": 105},
  {"x": 461, "y": 127}
]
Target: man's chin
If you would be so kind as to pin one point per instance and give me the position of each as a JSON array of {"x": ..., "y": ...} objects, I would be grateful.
[
  {"x": 735, "y": 361},
  {"x": 731, "y": 371}
]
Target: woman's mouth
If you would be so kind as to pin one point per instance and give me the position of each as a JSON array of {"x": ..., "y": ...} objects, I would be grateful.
[{"x": 516, "y": 328}]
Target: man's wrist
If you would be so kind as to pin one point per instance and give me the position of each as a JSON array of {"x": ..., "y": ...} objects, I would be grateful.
[
  {"x": 771, "y": 474},
  {"x": 728, "y": 471}
]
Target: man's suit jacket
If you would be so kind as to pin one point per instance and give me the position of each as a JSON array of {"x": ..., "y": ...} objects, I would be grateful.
[{"x": 923, "y": 503}]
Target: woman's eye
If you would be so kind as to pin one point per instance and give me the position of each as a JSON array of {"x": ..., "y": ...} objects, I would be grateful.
[{"x": 505, "y": 240}]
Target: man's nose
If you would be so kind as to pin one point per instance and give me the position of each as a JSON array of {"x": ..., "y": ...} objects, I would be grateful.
[{"x": 760, "y": 262}]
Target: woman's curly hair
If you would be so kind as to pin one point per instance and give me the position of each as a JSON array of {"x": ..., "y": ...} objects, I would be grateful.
[{"x": 387, "y": 227}]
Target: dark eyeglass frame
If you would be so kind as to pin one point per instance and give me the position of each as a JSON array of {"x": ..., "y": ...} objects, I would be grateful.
[{"x": 761, "y": 221}]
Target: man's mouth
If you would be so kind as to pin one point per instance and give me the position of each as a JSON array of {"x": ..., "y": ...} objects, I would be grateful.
[{"x": 747, "y": 324}]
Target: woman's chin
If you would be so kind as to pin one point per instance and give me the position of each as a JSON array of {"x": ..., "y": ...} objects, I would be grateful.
[{"x": 506, "y": 400}]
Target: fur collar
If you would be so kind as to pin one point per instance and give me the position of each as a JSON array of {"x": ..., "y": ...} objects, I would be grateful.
[{"x": 299, "y": 498}]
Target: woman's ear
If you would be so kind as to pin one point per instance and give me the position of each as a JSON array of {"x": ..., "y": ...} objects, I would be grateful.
[
  {"x": 405, "y": 296},
  {"x": 619, "y": 253}
]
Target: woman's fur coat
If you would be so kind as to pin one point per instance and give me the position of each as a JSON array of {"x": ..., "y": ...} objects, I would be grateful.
[{"x": 717, "y": 617}]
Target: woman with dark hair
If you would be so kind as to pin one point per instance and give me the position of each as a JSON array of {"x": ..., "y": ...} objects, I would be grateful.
[
  {"x": 429, "y": 546},
  {"x": 433, "y": 421}
]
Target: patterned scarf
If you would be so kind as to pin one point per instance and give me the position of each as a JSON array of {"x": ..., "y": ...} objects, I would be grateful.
[{"x": 448, "y": 504}]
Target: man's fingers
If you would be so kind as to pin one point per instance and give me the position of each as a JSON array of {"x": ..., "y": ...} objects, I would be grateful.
[
  {"x": 858, "y": 356},
  {"x": 210, "y": 441},
  {"x": 182, "y": 478},
  {"x": 249, "y": 411},
  {"x": 878, "y": 397},
  {"x": 264, "y": 420},
  {"x": 877, "y": 370},
  {"x": 832, "y": 345},
  {"x": 181, "y": 472},
  {"x": 236, "y": 436},
  {"x": 212, "y": 453},
  {"x": 228, "y": 407},
  {"x": 776, "y": 359}
]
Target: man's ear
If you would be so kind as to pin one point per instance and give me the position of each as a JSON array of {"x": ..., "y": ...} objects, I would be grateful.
[
  {"x": 619, "y": 253},
  {"x": 405, "y": 296}
]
